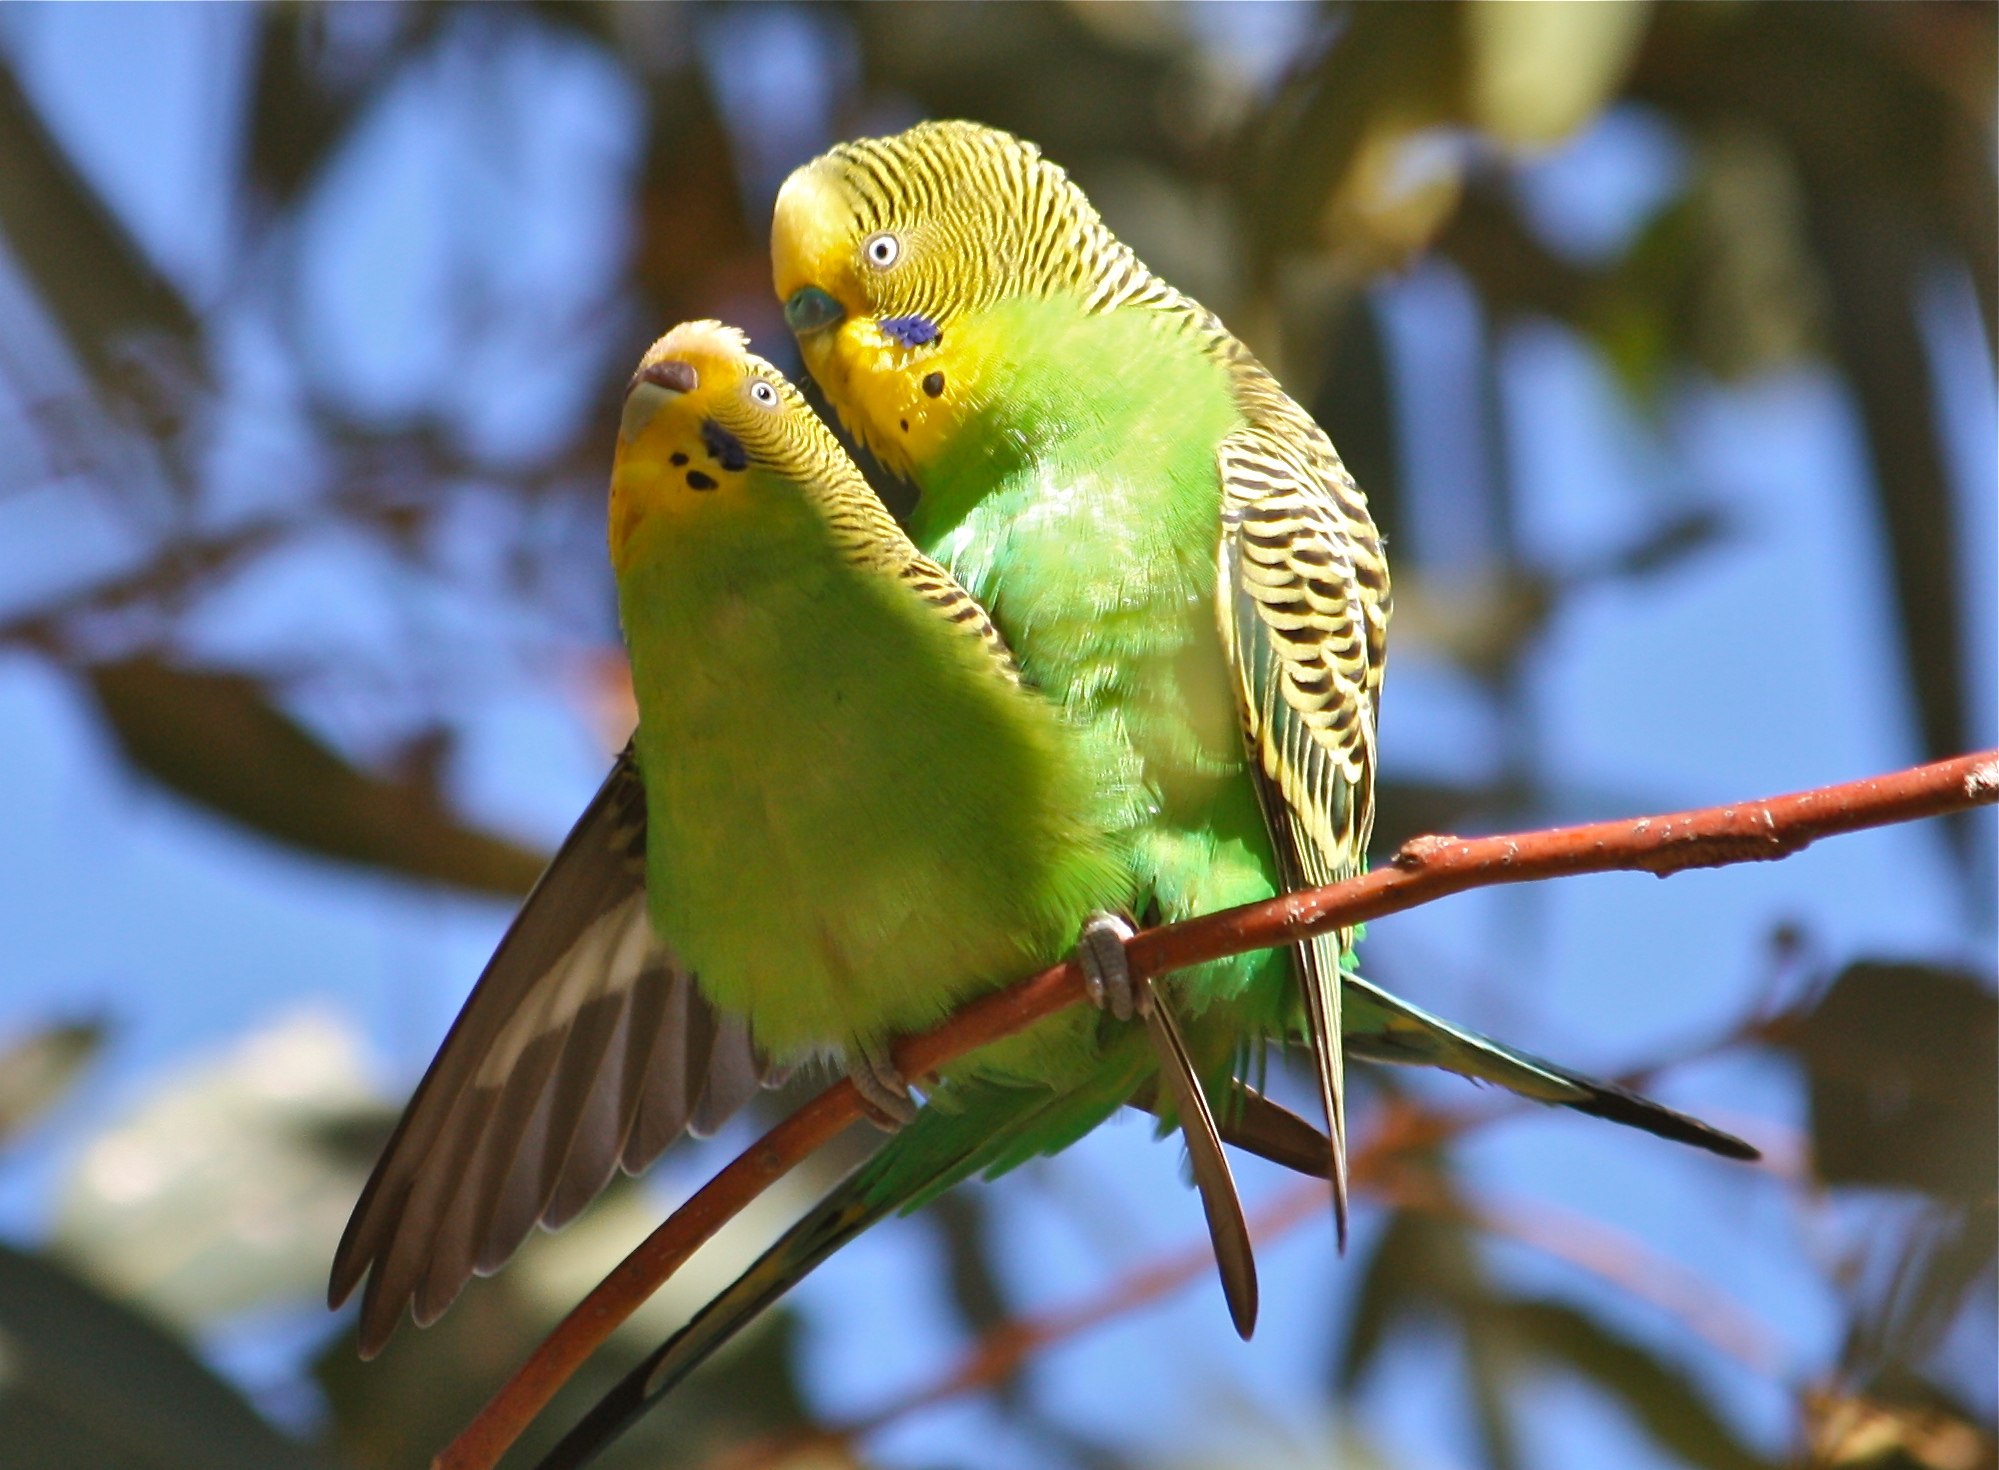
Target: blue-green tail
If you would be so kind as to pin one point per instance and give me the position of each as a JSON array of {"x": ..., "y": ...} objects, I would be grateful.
[{"x": 1384, "y": 1028}]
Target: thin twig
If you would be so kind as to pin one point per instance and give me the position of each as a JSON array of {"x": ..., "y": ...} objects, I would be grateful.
[{"x": 1425, "y": 869}]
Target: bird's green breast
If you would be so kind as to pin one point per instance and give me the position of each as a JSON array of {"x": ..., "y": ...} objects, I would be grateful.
[
  {"x": 1079, "y": 501},
  {"x": 854, "y": 819}
]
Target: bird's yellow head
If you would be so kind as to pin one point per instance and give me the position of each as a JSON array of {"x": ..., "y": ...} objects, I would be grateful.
[
  {"x": 704, "y": 415},
  {"x": 886, "y": 252}
]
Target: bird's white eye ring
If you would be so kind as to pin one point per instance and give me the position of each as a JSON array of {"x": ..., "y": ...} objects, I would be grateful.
[
  {"x": 882, "y": 250},
  {"x": 763, "y": 393}
]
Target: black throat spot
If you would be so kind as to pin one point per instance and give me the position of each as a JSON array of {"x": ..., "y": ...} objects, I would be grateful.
[{"x": 723, "y": 446}]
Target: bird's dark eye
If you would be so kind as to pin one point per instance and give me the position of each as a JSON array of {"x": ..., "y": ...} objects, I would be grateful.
[
  {"x": 763, "y": 393},
  {"x": 882, "y": 250}
]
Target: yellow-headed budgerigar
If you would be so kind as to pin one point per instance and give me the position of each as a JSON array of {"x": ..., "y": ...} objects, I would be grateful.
[
  {"x": 842, "y": 813},
  {"x": 1168, "y": 543}
]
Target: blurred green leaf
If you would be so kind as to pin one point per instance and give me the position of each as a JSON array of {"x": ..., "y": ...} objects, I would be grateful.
[
  {"x": 1341, "y": 1443},
  {"x": 86, "y": 1382},
  {"x": 969, "y": 1251},
  {"x": 1659, "y": 1398},
  {"x": 1356, "y": 405},
  {"x": 86, "y": 267},
  {"x": 1426, "y": 1269},
  {"x": 39, "y": 1068},
  {"x": 1481, "y": 621},
  {"x": 1900, "y": 1062},
  {"x": 1874, "y": 268},
  {"x": 1514, "y": 271},
  {"x": 217, "y": 740},
  {"x": 1754, "y": 301},
  {"x": 1665, "y": 547},
  {"x": 1492, "y": 1397},
  {"x": 1405, "y": 809},
  {"x": 1539, "y": 72}
]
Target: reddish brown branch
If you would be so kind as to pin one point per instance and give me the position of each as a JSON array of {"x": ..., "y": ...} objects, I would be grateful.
[{"x": 1426, "y": 868}]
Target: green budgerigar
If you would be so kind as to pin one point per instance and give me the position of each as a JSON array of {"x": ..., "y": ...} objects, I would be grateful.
[
  {"x": 842, "y": 814},
  {"x": 1169, "y": 544}
]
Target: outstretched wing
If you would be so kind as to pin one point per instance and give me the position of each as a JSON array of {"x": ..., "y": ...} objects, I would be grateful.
[
  {"x": 583, "y": 1047},
  {"x": 1303, "y": 606}
]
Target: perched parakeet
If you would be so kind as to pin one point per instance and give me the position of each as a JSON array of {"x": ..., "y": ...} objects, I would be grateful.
[
  {"x": 1170, "y": 548},
  {"x": 1168, "y": 543},
  {"x": 842, "y": 814}
]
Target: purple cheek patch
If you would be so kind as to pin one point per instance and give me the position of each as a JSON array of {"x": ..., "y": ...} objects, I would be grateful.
[{"x": 911, "y": 331}]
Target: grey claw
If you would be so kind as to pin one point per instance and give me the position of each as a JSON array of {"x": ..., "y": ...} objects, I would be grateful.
[
  {"x": 884, "y": 1091},
  {"x": 1106, "y": 974}
]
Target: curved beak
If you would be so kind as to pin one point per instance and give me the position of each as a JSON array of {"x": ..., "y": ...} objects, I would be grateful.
[
  {"x": 810, "y": 310},
  {"x": 651, "y": 387}
]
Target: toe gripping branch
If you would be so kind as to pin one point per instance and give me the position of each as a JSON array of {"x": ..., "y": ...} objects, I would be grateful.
[
  {"x": 1106, "y": 971},
  {"x": 884, "y": 1090}
]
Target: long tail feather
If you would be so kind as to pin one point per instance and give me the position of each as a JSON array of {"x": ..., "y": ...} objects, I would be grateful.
[
  {"x": 1255, "y": 1124},
  {"x": 1234, "y": 1257},
  {"x": 1322, "y": 1011},
  {"x": 1385, "y": 1028},
  {"x": 1621, "y": 1105}
]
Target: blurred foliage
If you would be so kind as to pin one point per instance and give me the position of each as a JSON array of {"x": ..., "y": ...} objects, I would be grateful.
[
  {"x": 1898, "y": 1055},
  {"x": 1833, "y": 165},
  {"x": 1901, "y": 1062},
  {"x": 1426, "y": 1273},
  {"x": 218, "y": 740},
  {"x": 92, "y": 1382}
]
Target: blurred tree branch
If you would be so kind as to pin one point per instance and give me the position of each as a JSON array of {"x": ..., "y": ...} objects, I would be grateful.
[
  {"x": 1424, "y": 870},
  {"x": 216, "y": 739}
]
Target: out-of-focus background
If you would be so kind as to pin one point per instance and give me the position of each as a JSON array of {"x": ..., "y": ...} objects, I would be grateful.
[{"x": 1661, "y": 338}]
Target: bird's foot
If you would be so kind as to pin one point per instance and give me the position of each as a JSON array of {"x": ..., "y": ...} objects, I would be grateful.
[
  {"x": 1106, "y": 972},
  {"x": 884, "y": 1090}
]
